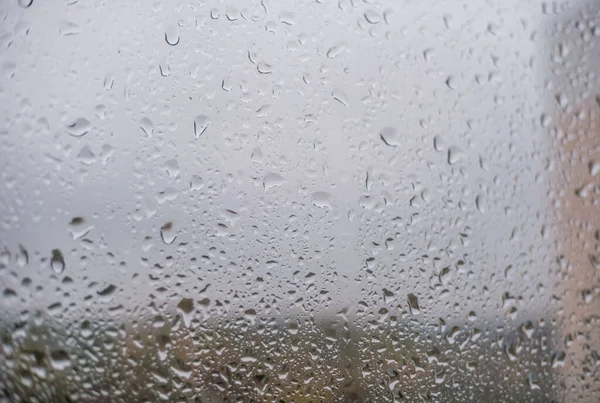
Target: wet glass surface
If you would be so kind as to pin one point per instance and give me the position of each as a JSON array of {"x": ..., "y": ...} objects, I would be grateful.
[{"x": 299, "y": 201}]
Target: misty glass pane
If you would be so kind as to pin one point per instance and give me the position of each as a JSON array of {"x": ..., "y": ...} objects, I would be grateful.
[{"x": 300, "y": 201}]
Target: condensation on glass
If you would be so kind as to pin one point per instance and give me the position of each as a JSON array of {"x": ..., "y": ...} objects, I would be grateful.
[{"x": 299, "y": 201}]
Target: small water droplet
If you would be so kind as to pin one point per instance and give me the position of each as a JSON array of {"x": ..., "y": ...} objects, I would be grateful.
[
  {"x": 59, "y": 360},
  {"x": 147, "y": 126},
  {"x": 9, "y": 69},
  {"x": 86, "y": 156},
  {"x": 172, "y": 35},
  {"x": 167, "y": 233},
  {"x": 25, "y": 3},
  {"x": 264, "y": 68},
  {"x": 57, "y": 262},
  {"x": 257, "y": 155},
  {"x": 79, "y": 228},
  {"x": 22, "y": 257},
  {"x": 107, "y": 291},
  {"x": 480, "y": 203},
  {"x": 340, "y": 96},
  {"x": 165, "y": 69},
  {"x": 439, "y": 144},
  {"x": 455, "y": 154},
  {"x": 322, "y": 200},
  {"x": 172, "y": 168},
  {"x": 452, "y": 83},
  {"x": 287, "y": 17},
  {"x": 186, "y": 309},
  {"x": 413, "y": 304},
  {"x": 79, "y": 127},
  {"x": 200, "y": 125},
  {"x": 196, "y": 183},
  {"x": 389, "y": 135},
  {"x": 272, "y": 180},
  {"x": 86, "y": 329},
  {"x": 68, "y": 28},
  {"x": 372, "y": 17},
  {"x": 594, "y": 168}
]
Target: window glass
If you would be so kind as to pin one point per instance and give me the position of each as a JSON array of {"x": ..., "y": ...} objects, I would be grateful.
[{"x": 299, "y": 201}]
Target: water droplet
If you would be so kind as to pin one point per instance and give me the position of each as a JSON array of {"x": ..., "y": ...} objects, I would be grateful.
[
  {"x": 196, "y": 183},
  {"x": 372, "y": 17},
  {"x": 172, "y": 35},
  {"x": 165, "y": 69},
  {"x": 594, "y": 168},
  {"x": 106, "y": 152},
  {"x": 455, "y": 154},
  {"x": 186, "y": 309},
  {"x": 413, "y": 304},
  {"x": 340, "y": 96},
  {"x": 57, "y": 262},
  {"x": 545, "y": 121},
  {"x": 452, "y": 83},
  {"x": 86, "y": 329},
  {"x": 79, "y": 128},
  {"x": 200, "y": 125},
  {"x": 264, "y": 68},
  {"x": 232, "y": 14},
  {"x": 9, "y": 69},
  {"x": 480, "y": 203},
  {"x": 167, "y": 233},
  {"x": 272, "y": 180},
  {"x": 287, "y": 17},
  {"x": 68, "y": 28},
  {"x": 335, "y": 51},
  {"x": 109, "y": 81},
  {"x": 257, "y": 155},
  {"x": 558, "y": 359},
  {"x": 532, "y": 381},
  {"x": 22, "y": 257},
  {"x": 107, "y": 291},
  {"x": 25, "y": 3},
  {"x": 86, "y": 156},
  {"x": 172, "y": 168},
  {"x": 322, "y": 200},
  {"x": 439, "y": 144},
  {"x": 59, "y": 360},
  {"x": 389, "y": 135},
  {"x": 79, "y": 228},
  {"x": 147, "y": 126}
]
